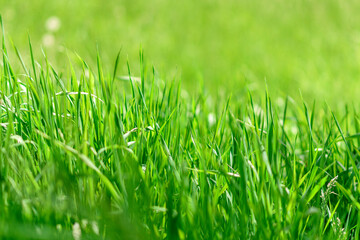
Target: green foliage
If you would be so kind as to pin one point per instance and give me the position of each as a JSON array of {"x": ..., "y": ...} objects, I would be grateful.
[
  {"x": 91, "y": 154},
  {"x": 308, "y": 45}
]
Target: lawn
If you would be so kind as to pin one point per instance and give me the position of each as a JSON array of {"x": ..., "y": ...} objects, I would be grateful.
[
  {"x": 308, "y": 46},
  {"x": 165, "y": 120}
]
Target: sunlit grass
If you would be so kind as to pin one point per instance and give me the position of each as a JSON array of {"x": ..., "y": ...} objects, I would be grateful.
[
  {"x": 92, "y": 154},
  {"x": 309, "y": 45}
]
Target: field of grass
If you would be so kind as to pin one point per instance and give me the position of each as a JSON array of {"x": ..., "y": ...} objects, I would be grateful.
[
  {"x": 116, "y": 148},
  {"x": 309, "y": 45}
]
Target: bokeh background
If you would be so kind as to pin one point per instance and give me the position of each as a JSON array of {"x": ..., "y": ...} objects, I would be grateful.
[{"x": 292, "y": 46}]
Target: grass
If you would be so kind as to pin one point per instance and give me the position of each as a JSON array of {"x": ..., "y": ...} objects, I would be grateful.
[
  {"x": 307, "y": 45},
  {"x": 88, "y": 153}
]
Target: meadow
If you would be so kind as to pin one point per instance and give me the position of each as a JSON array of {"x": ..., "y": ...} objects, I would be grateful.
[{"x": 165, "y": 120}]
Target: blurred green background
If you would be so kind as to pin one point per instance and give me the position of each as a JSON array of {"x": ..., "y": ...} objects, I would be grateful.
[{"x": 312, "y": 46}]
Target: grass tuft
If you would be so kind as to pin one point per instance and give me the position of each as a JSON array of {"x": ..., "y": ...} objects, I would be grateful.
[{"x": 84, "y": 154}]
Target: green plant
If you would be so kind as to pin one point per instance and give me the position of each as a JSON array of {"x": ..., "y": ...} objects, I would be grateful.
[{"x": 88, "y": 154}]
